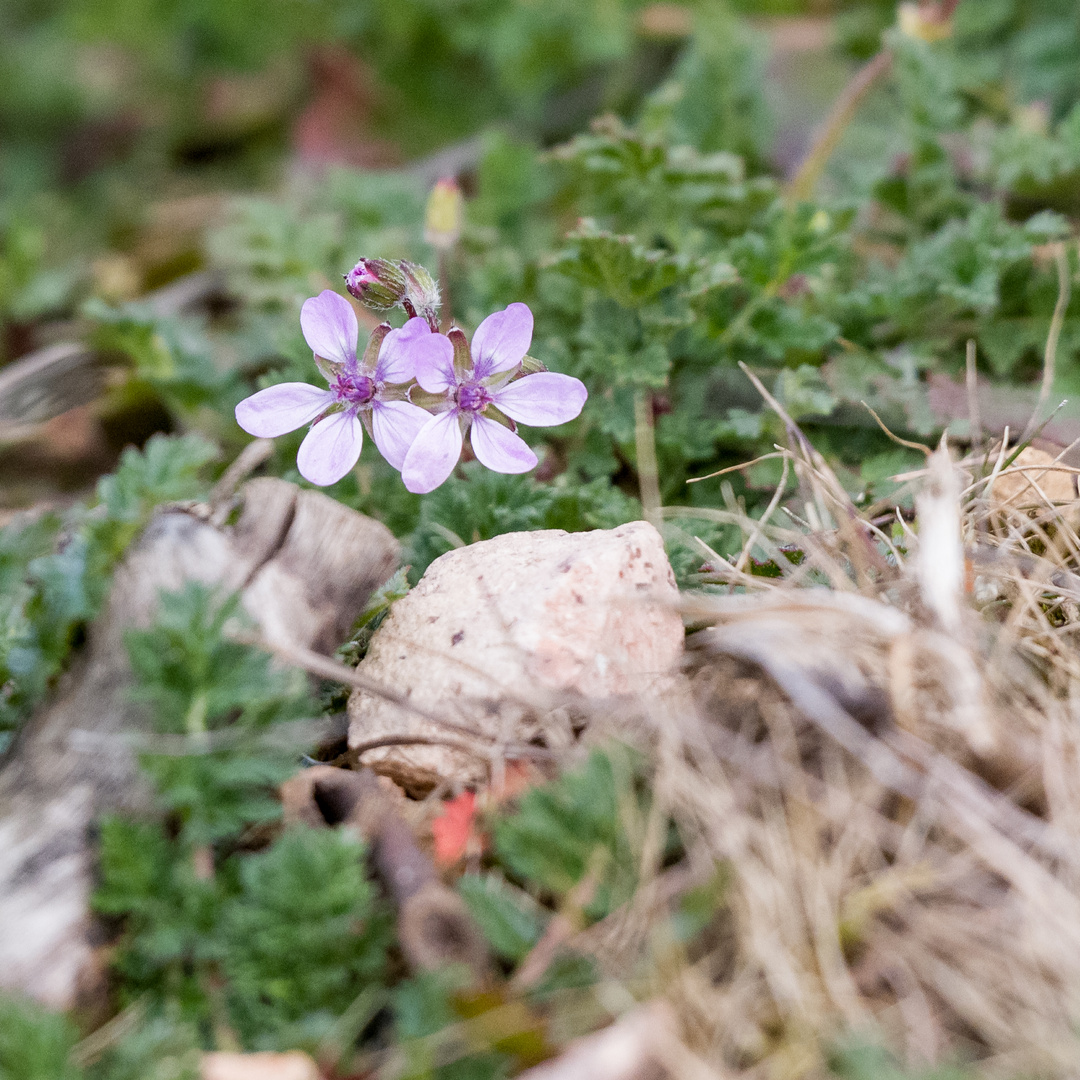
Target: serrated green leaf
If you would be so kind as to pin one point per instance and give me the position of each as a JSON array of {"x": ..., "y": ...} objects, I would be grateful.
[{"x": 510, "y": 919}]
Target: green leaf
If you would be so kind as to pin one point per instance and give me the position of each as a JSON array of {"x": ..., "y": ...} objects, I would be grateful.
[
  {"x": 618, "y": 266},
  {"x": 510, "y": 919},
  {"x": 53, "y": 593},
  {"x": 574, "y": 826},
  {"x": 304, "y": 935},
  {"x": 196, "y": 680}
]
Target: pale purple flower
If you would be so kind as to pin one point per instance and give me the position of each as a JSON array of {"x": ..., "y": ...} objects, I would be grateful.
[
  {"x": 362, "y": 393},
  {"x": 481, "y": 382}
]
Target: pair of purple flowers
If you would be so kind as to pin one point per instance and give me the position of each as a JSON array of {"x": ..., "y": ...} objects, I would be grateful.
[{"x": 479, "y": 391}]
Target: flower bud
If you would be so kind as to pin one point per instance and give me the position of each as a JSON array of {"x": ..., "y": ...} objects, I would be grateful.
[
  {"x": 923, "y": 23},
  {"x": 421, "y": 292},
  {"x": 443, "y": 215},
  {"x": 371, "y": 353},
  {"x": 378, "y": 283}
]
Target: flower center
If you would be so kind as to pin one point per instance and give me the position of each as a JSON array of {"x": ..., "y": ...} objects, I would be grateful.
[
  {"x": 472, "y": 397},
  {"x": 356, "y": 389}
]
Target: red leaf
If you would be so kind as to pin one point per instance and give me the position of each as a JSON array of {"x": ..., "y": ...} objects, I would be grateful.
[{"x": 454, "y": 828}]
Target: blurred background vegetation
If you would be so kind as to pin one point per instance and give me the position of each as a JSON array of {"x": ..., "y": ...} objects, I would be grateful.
[{"x": 177, "y": 176}]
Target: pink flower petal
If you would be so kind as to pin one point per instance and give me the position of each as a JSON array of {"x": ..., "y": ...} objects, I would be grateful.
[
  {"x": 282, "y": 408},
  {"x": 330, "y": 449},
  {"x": 499, "y": 448},
  {"x": 433, "y": 454},
  {"x": 434, "y": 359},
  {"x": 397, "y": 363},
  {"x": 330, "y": 327},
  {"x": 543, "y": 399},
  {"x": 502, "y": 340},
  {"x": 394, "y": 427}
]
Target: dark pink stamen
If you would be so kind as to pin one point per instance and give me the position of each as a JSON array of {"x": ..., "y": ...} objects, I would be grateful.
[
  {"x": 472, "y": 397},
  {"x": 355, "y": 389}
]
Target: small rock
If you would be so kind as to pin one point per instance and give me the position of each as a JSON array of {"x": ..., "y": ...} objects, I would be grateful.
[
  {"x": 499, "y": 634},
  {"x": 290, "y": 1066}
]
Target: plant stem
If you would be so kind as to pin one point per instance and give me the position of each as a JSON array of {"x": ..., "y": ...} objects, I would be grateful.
[
  {"x": 444, "y": 290},
  {"x": 802, "y": 184},
  {"x": 645, "y": 443},
  {"x": 1057, "y": 321}
]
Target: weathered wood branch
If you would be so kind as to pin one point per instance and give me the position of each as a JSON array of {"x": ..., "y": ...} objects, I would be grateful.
[{"x": 305, "y": 564}]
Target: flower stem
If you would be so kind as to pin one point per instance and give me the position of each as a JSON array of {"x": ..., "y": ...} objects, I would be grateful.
[
  {"x": 1057, "y": 321},
  {"x": 802, "y": 184},
  {"x": 444, "y": 291},
  {"x": 645, "y": 444}
]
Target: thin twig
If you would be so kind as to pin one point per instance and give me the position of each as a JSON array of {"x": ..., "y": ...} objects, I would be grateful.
[
  {"x": 739, "y": 468},
  {"x": 512, "y": 750},
  {"x": 289, "y": 734},
  {"x": 755, "y": 535},
  {"x": 326, "y": 668},
  {"x": 896, "y": 438},
  {"x": 255, "y": 454}
]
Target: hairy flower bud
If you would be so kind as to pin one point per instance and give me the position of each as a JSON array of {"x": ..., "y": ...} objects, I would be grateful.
[
  {"x": 382, "y": 284},
  {"x": 378, "y": 283},
  {"x": 421, "y": 292}
]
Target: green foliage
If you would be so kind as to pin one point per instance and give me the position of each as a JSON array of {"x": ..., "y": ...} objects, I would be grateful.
[
  {"x": 290, "y": 956},
  {"x": 511, "y": 920},
  {"x": 643, "y": 179},
  {"x": 863, "y": 1061},
  {"x": 160, "y": 1048},
  {"x": 584, "y": 824},
  {"x": 170, "y": 913},
  {"x": 377, "y": 608},
  {"x": 28, "y": 288},
  {"x": 302, "y": 938},
  {"x": 172, "y": 355},
  {"x": 426, "y": 1005},
  {"x": 55, "y": 572},
  {"x": 165, "y": 470},
  {"x": 293, "y": 934},
  {"x": 1023, "y": 49},
  {"x": 34, "y": 1043},
  {"x": 712, "y": 100},
  {"x": 197, "y": 682},
  {"x": 278, "y": 254}
]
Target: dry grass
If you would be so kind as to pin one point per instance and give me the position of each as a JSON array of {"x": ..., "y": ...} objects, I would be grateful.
[{"x": 883, "y": 746}]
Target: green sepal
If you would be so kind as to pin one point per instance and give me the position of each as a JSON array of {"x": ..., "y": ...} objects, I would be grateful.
[
  {"x": 371, "y": 353},
  {"x": 462, "y": 355},
  {"x": 531, "y": 366}
]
